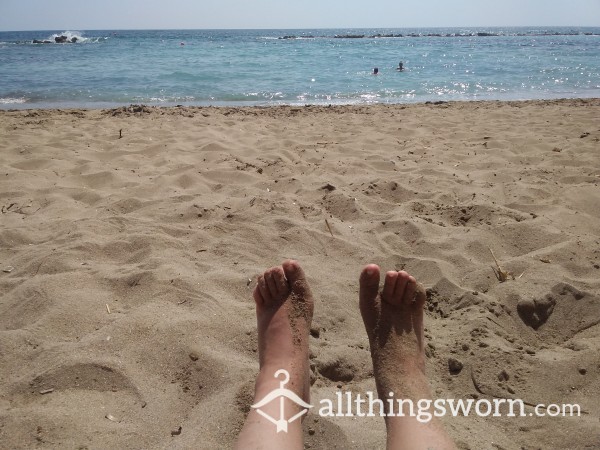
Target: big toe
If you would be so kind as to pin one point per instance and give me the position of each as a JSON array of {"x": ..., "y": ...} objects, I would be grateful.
[
  {"x": 296, "y": 278},
  {"x": 369, "y": 286}
]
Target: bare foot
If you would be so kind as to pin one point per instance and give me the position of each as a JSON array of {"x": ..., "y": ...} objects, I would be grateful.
[
  {"x": 284, "y": 309},
  {"x": 394, "y": 322}
]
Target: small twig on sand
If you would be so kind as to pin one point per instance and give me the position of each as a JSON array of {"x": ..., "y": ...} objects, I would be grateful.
[
  {"x": 501, "y": 274},
  {"x": 6, "y": 209},
  {"x": 329, "y": 227}
]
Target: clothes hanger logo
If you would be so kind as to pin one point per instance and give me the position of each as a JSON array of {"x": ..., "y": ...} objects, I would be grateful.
[{"x": 282, "y": 393}]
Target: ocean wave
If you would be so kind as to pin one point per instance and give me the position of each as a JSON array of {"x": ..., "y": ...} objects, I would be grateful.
[
  {"x": 68, "y": 37},
  {"x": 12, "y": 101},
  {"x": 159, "y": 99}
]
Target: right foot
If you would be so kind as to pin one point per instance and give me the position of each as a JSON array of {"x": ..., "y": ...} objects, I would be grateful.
[{"x": 394, "y": 322}]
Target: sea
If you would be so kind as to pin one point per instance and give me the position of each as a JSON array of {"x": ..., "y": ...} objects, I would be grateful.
[{"x": 109, "y": 68}]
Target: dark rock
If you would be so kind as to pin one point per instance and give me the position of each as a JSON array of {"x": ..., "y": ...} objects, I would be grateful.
[
  {"x": 349, "y": 36},
  {"x": 455, "y": 366}
]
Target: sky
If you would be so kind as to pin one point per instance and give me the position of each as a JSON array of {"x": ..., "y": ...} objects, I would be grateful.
[{"x": 21, "y": 15}]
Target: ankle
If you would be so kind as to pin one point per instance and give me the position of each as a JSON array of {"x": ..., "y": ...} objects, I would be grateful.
[{"x": 266, "y": 381}]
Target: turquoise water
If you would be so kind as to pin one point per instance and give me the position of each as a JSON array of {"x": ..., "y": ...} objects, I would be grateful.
[{"x": 258, "y": 67}]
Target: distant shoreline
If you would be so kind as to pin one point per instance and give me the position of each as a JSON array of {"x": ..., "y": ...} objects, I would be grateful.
[
  {"x": 466, "y": 27},
  {"x": 143, "y": 108}
]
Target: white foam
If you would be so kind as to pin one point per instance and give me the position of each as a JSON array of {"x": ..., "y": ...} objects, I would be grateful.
[
  {"x": 72, "y": 34},
  {"x": 9, "y": 101}
]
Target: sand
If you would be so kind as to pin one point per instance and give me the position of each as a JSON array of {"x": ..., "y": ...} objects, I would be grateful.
[{"x": 127, "y": 264}]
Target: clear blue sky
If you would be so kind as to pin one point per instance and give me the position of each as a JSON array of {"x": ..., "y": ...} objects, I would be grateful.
[{"x": 144, "y": 14}]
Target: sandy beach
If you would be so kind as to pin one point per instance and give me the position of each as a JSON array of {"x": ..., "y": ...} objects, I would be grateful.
[{"x": 131, "y": 239}]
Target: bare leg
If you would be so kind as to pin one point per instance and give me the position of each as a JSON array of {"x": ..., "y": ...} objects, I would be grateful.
[
  {"x": 284, "y": 308},
  {"x": 394, "y": 322}
]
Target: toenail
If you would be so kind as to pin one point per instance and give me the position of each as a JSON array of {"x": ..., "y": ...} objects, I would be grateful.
[{"x": 370, "y": 272}]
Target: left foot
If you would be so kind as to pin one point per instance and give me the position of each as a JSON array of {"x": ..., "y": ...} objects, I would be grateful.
[{"x": 284, "y": 310}]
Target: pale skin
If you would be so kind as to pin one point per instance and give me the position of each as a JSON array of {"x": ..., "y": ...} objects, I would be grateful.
[{"x": 393, "y": 318}]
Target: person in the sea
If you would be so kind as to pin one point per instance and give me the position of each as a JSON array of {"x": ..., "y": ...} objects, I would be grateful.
[
  {"x": 400, "y": 67},
  {"x": 375, "y": 71},
  {"x": 393, "y": 318}
]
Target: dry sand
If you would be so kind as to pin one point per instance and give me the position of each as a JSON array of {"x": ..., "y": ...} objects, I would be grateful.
[{"x": 127, "y": 264}]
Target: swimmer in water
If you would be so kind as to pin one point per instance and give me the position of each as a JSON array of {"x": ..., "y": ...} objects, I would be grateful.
[
  {"x": 375, "y": 71},
  {"x": 400, "y": 67}
]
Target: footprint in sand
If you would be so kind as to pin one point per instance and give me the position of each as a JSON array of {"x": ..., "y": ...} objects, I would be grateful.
[{"x": 536, "y": 312}]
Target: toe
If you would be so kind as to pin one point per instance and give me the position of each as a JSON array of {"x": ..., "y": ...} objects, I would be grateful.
[
  {"x": 369, "y": 282},
  {"x": 388, "y": 287},
  {"x": 264, "y": 290},
  {"x": 296, "y": 278},
  {"x": 271, "y": 285},
  {"x": 369, "y": 296},
  {"x": 258, "y": 296},
  {"x": 421, "y": 295},
  {"x": 281, "y": 283},
  {"x": 401, "y": 283},
  {"x": 409, "y": 292}
]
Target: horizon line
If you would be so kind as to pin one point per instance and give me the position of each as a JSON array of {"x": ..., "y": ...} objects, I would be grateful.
[{"x": 303, "y": 28}]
